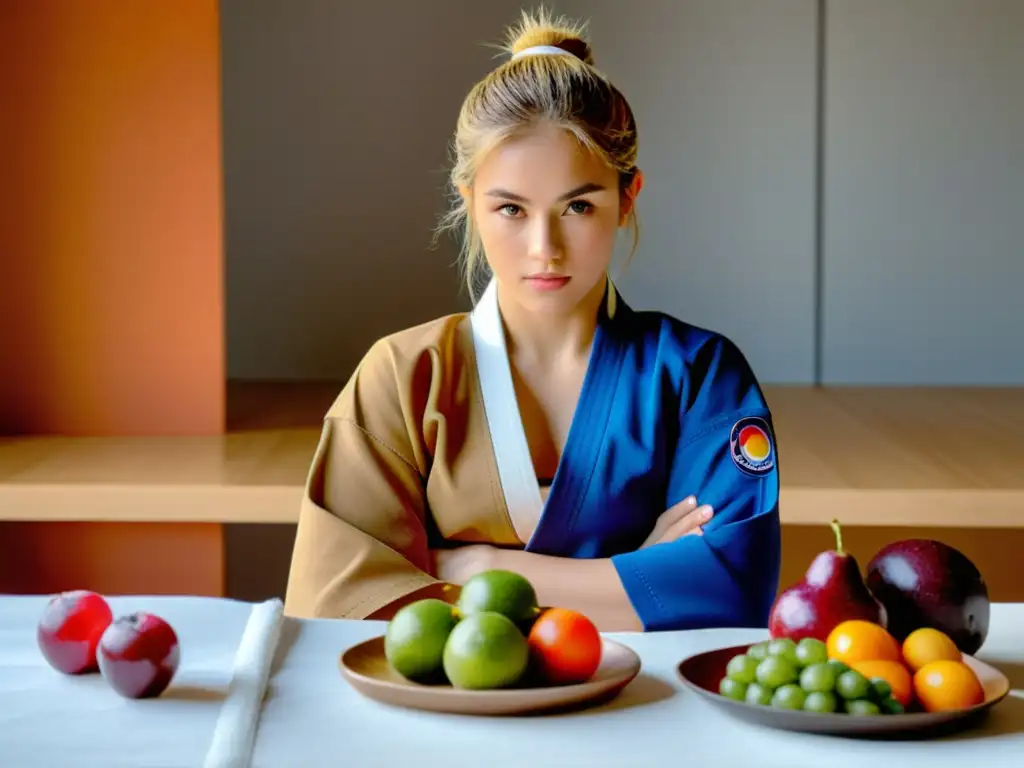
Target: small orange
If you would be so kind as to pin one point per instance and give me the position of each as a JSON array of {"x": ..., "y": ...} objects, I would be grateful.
[
  {"x": 895, "y": 674},
  {"x": 565, "y": 646},
  {"x": 946, "y": 685},
  {"x": 925, "y": 645},
  {"x": 858, "y": 640}
]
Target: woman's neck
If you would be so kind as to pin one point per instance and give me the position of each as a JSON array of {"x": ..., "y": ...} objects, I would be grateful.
[{"x": 547, "y": 338}]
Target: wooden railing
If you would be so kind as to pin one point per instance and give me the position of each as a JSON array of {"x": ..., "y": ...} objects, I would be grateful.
[{"x": 907, "y": 459}]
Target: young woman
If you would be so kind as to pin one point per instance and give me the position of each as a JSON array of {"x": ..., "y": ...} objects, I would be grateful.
[{"x": 623, "y": 461}]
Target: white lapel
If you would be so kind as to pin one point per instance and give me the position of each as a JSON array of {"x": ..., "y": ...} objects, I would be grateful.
[{"x": 508, "y": 437}]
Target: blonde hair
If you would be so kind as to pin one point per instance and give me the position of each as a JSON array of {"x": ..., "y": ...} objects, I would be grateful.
[{"x": 565, "y": 91}]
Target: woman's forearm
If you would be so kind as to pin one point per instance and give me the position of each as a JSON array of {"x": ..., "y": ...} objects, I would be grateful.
[{"x": 591, "y": 587}]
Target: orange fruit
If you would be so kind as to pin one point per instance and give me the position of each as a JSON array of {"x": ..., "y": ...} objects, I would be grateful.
[
  {"x": 946, "y": 685},
  {"x": 565, "y": 646},
  {"x": 895, "y": 674},
  {"x": 858, "y": 640},
  {"x": 925, "y": 645}
]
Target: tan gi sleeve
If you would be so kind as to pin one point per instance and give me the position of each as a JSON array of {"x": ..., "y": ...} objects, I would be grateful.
[{"x": 361, "y": 541}]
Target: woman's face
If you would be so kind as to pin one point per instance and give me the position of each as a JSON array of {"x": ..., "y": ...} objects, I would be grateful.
[{"x": 547, "y": 212}]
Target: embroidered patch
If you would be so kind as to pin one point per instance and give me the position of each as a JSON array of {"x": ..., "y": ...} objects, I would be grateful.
[{"x": 751, "y": 446}]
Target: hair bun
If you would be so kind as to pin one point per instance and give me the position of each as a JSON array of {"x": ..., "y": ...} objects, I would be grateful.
[{"x": 541, "y": 28}]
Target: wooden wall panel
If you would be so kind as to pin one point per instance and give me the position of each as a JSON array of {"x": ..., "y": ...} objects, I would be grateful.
[
  {"x": 112, "y": 558},
  {"x": 111, "y": 257}
]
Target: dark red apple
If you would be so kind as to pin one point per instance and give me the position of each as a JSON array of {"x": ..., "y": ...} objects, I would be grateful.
[
  {"x": 139, "y": 655},
  {"x": 70, "y": 629},
  {"x": 832, "y": 591},
  {"x": 925, "y": 583}
]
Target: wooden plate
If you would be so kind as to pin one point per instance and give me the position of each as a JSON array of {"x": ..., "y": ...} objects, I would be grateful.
[
  {"x": 702, "y": 673},
  {"x": 367, "y": 670}
]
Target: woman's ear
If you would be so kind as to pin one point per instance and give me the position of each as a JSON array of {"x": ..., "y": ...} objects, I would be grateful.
[{"x": 629, "y": 196}]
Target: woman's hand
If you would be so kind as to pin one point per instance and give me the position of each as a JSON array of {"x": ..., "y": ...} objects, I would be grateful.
[
  {"x": 590, "y": 586},
  {"x": 680, "y": 520}
]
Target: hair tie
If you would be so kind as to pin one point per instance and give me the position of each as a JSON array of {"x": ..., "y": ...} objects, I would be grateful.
[{"x": 540, "y": 50}]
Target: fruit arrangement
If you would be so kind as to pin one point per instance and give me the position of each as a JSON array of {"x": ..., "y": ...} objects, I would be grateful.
[
  {"x": 495, "y": 636},
  {"x": 909, "y": 585},
  {"x": 859, "y": 669},
  {"x": 887, "y": 643},
  {"x": 136, "y": 654}
]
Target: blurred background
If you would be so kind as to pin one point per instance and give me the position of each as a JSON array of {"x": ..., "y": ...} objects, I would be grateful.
[{"x": 211, "y": 209}]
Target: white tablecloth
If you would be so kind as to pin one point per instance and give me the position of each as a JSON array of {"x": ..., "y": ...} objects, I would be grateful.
[{"x": 310, "y": 717}]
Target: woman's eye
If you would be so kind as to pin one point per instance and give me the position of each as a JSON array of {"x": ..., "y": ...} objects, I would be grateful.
[
  {"x": 510, "y": 209},
  {"x": 580, "y": 207}
]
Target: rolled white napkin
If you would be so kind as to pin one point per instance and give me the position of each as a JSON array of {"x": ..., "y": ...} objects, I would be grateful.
[{"x": 234, "y": 734}]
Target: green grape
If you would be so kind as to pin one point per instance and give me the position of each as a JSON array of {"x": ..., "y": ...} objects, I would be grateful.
[
  {"x": 758, "y": 694},
  {"x": 732, "y": 689},
  {"x": 742, "y": 669},
  {"x": 811, "y": 651},
  {"x": 784, "y": 648},
  {"x": 819, "y": 678},
  {"x": 890, "y": 706},
  {"x": 789, "y": 697},
  {"x": 758, "y": 651},
  {"x": 862, "y": 707},
  {"x": 880, "y": 689},
  {"x": 838, "y": 666},
  {"x": 852, "y": 685},
  {"x": 821, "y": 701},
  {"x": 776, "y": 671}
]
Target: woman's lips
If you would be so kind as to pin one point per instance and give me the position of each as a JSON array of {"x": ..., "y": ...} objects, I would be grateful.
[{"x": 547, "y": 282}]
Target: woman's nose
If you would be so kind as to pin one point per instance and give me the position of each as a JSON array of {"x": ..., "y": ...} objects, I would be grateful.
[{"x": 545, "y": 240}]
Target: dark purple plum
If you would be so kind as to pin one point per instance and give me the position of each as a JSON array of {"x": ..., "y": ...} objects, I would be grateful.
[{"x": 925, "y": 583}]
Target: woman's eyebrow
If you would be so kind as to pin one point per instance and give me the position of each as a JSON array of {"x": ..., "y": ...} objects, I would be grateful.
[{"x": 583, "y": 189}]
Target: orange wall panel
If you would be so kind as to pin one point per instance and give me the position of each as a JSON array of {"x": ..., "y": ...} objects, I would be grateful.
[
  {"x": 113, "y": 558},
  {"x": 111, "y": 246}
]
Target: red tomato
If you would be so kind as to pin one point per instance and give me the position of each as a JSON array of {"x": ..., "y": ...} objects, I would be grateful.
[{"x": 565, "y": 646}]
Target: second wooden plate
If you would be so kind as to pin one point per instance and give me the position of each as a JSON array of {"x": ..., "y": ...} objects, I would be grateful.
[{"x": 702, "y": 672}]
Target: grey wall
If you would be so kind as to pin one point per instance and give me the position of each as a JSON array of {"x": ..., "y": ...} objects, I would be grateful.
[
  {"x": 333, "y": 181},
  {"x": 924, "y": 193},
  {"x": 724, "y": 95},
  {"x": 337, "y": 117}
]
